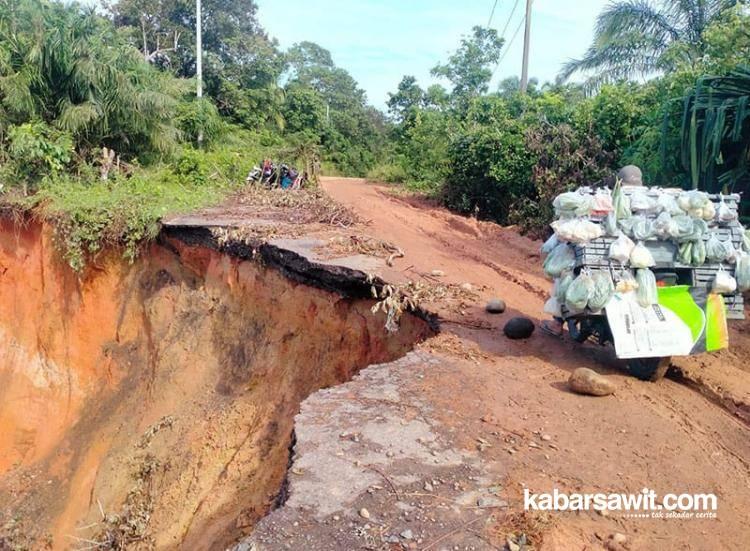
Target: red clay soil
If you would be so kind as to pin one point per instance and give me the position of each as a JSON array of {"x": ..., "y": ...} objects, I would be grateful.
[
  {"x": 150, "y": 404},
  {"x": 685, "y": 433}
]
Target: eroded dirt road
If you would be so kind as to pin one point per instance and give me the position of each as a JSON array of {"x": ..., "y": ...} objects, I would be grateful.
[{"x": 505, "y": 421}]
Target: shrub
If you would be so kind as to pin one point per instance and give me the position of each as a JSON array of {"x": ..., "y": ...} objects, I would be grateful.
[
  {"x": 566, "y": 159},
  {"x": 490, "y": 168},
  {"x": 392, "y": 173},
  {"x": 200, "y": 118},
  {"x": 36, "y": 150}
]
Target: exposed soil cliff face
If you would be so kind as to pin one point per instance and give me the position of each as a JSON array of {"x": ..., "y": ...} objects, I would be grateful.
[{"x": 164, "y": 390}]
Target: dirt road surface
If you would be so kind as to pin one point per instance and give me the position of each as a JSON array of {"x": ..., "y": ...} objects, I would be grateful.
[{"x": 496, "y": 416}]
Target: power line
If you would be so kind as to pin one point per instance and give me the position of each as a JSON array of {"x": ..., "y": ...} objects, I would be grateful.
[
  {"x": 513, "y": 38},
  {"x": 512, "y": 11},
  {"x": 492, "y": 14}
]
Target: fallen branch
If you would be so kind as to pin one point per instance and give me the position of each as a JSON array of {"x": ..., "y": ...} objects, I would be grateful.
[
  {"x": 388, "y": 480},
  {"x": 433, "y": 543}
]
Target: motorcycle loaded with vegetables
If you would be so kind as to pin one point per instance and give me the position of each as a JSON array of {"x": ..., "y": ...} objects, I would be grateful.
[{"x": 656, "y": 272}]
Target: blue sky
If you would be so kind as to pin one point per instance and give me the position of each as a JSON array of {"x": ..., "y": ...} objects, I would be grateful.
[{"x": 379, "y": 41}]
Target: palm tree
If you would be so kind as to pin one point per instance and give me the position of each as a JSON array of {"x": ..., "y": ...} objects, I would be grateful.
[
  {"x": 636, "y": 38},
  {"x": 716, "y": 132},
  {"x": 66, "y": 66}
]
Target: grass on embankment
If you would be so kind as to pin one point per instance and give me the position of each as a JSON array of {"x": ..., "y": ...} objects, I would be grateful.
[{"x": 124, "y": 211}]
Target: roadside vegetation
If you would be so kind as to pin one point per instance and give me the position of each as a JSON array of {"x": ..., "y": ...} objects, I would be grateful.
[
  {"x": 101, "y": 132},
  {"x": 503, "y": 155},
  {"x": 100, "y": 129}
]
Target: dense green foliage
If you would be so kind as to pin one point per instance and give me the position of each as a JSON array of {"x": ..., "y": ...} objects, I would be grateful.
[
  {"x": 100, "y": 128},
  {"x": 69, "y": 73},
  {"x": 255, "y": 84},
  {"x": 101, "y": 131},
  {"x": 504, "y": 155},
  {"x": 716, "y": 130}
]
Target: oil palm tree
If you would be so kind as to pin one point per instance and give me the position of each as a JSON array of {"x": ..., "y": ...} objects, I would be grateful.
[
  {"x": 635, "y": 38},
  {"x": 66, "y": 66}
]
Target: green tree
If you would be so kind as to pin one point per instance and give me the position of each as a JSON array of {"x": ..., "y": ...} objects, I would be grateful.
[
  {"x": 636, "y": 38},
  {"x": 66, "y": 66},
  {"x": 241, "y": 63},
  {"x": 489, "y": 163},
  {"x": 469, "y": 69},
  {"x": 408, "y": 97},
  {"x": 304, "y": 111},
  {"x": 353, "y": 135}
]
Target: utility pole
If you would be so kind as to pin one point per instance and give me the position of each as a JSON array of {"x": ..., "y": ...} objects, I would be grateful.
[
  {"x": 199, "y": 57},
  {"x": 198, "y": 48},
  {"x": 526, "y": 37}
]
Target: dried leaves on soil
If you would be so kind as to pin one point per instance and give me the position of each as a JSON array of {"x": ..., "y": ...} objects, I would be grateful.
[
  {"x": 344, "y": 245},
  {"x": 394, "y": 300},
  {"x": 453, "y": 345},
  {"x": 302, "y": 206}
]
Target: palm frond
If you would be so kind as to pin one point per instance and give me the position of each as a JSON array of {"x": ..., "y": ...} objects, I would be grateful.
[{"x": 716, "y": 130}]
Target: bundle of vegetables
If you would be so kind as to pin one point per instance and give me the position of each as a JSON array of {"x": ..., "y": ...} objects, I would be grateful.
[{"x": 634, "y": 218}]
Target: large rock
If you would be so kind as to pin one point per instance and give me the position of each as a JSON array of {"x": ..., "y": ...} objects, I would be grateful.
[
  {"x": 495, "y": 306},
  {"x": 587, "y": 381},
  {"x": 519, "y": 328}
]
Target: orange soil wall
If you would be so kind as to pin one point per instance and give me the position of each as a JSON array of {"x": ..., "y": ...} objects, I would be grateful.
[{"x": 220, "y": 350}]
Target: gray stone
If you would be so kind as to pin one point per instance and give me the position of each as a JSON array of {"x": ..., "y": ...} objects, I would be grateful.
[
  {"x": 495, "y": 306},
  {"x": 587, "y": 381},
  {"x": 489, "y": 501},
  {"x": 407, "y": 534}
]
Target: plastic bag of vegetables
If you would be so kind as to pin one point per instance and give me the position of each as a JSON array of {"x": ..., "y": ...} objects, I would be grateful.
[
  {"x": 724, "y": 213},
  {"x": 708, "y": 212},
  {"x": 560, "y": 259},
  {"x": 626, "y": 225},
  {"x": 643, "y": 228},
  {"x": 664, "y": 226},
  {"x": 626, "y": 282},
  {"x": 697, "y": 204},
  {"x": 641, "y": 257},
  {"x": 742, "y": 272},
  {"x": 691, "y": 200},
  {"x": 620, "y": 202},
  {"x": 578, "y": 293},
  {"x": 602, "y": 291},
  {"x": 573, "y": 203},
  {"x": 621, "y": 248},
  {"x": 688, "y": 229},
  {"x": 699, "y": 253},
  {"x": 647, "y": 293},
  {"x": 602, "y": 203},
  {"x": 640, "y": 201},
  {"x": 576, "y": 230},
  {"x": 732, "y": 253},
  {"x": 550, "y": 244},
  {"x": 724, "y": 283},
  {"x": 716, "y": 250},
  {"x": 552, "y": 307},
  {"x": 668, "y": 203},
  {"x": 682, "y": 228},
  {"x": 610, "y": 225},
  {"x": 562, "y": 284}
]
